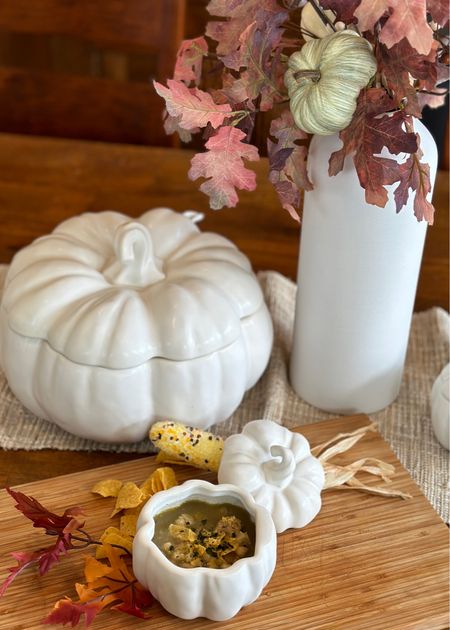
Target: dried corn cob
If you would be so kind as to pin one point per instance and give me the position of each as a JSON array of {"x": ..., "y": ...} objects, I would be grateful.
[{"x": 187, "y": 445}]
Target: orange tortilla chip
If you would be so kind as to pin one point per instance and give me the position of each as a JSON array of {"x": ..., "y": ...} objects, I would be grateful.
[
  {"x": 130, "y": 496},
  {"x": 107, "y": 487}
]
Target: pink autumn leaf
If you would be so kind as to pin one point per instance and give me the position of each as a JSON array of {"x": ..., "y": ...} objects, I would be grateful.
[
  {"x": 235, "y": 36},
  {"x": 172, "y": 125},
  {"x": 403, "y": 19},
  {"x": 439, "y": 11},
  {"x": 263, "y": 76},
  {"x": 191, "y": 106},
  {"x": 188, "y": 66},
  {"x": 224, "y": 168},
  {"x": 240, "y": 8}
]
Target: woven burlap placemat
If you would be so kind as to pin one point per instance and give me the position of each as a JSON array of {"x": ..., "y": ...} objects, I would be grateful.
[{"x": 405, "y": 424}]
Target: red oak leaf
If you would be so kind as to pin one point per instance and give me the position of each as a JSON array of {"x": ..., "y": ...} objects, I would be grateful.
[
  {"x": 431, "y": 82},
  {"x": 400, "y": 65},
  {"x": 192, "y": 107},
  {"x": 344, "y": 9},
  {"x": 188, "y": 66},
  {"x": 24, "y": 560},
  {"x": 415, "y": 176},
  {"x": 366, "y": 136},
  {"x": 223, "y": 165},
  {"x": 67, "y": 612},
  {"x": 41, "y": 517},
  {"x": 287, "y": 161},
  {"x": 404, "y": 19}
]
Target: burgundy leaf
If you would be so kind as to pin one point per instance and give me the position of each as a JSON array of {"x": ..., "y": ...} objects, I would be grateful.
[
  {"x": 366, "y": 136},
  {"x": 279, "y": 157},
  {"x": 287, "y": 162},
  {"x": 41, "y": 517},
  {"x": 344, "y": 9},
  {"x": 224, "y": 168},
  {"x": 415, "y": 176},
  {"x": 400, "y": 65}
]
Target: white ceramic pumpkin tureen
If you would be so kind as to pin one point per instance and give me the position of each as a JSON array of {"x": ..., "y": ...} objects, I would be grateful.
[
  {"x": 216, "y": 594},
  {"x": 109, "y": 324}
]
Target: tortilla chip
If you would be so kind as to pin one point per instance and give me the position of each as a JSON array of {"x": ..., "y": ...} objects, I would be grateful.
[
  {"x": 129, "y": 496},
  {"x": 162, "y": 479},
  {"x": 107, "y": 487},
  {"x": 146, "y": 487},
  {"x": 128, "y": 522}
]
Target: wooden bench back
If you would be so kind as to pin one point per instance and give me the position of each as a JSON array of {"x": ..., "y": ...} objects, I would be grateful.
[{"x": 83, "y": 68}]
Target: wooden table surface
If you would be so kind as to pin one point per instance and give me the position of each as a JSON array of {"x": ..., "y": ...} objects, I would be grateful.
[{"x": 43, "y": 181}]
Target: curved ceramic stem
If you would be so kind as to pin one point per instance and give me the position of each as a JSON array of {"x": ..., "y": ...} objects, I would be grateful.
[
  {"x": 280, "y": 468},
  {"x": 135, "y": 263}
]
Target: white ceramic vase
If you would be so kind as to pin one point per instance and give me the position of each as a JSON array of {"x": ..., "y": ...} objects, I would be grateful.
[{"x": 357, "y": 279}]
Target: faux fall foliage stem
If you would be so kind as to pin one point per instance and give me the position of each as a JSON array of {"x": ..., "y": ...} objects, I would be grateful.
[
  {"x": 252, "y": 42},
  {"x": 101, "y": 578}
]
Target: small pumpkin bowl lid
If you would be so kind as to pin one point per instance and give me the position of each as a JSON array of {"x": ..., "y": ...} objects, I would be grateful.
[
  {"x": 276, "y": 467},
  {"x": 110, "y": 291},
  {"x": 216, "y": 594}
]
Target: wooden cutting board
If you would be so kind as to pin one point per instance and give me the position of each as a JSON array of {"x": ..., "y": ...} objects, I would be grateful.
[{"x": 365, "y": 563}]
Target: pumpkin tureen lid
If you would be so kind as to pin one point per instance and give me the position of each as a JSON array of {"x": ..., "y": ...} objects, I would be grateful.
[{"x": 108, "y": 291}]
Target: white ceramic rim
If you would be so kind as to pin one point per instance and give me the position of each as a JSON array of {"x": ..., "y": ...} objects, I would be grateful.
[{"x": 185, "y": 492}]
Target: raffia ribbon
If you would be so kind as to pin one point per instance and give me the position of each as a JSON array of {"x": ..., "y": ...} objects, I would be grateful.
[{"x": 344, "y": 477}]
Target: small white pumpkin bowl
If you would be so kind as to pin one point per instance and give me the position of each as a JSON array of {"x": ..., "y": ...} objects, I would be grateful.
[{"x": 216, "y": 594}]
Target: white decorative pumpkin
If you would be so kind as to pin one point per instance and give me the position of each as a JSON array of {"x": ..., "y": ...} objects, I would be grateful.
[
  {"x": 276, "y": 466},
  {"x": 109, "y": 324},
  {"x": 216, "y": 594},
  {"x": 440, "y": 407},
  {"x": 324, "y": 80}
]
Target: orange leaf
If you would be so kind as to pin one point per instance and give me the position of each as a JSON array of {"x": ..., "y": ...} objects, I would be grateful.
[{"x": 94, "y": 569}]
